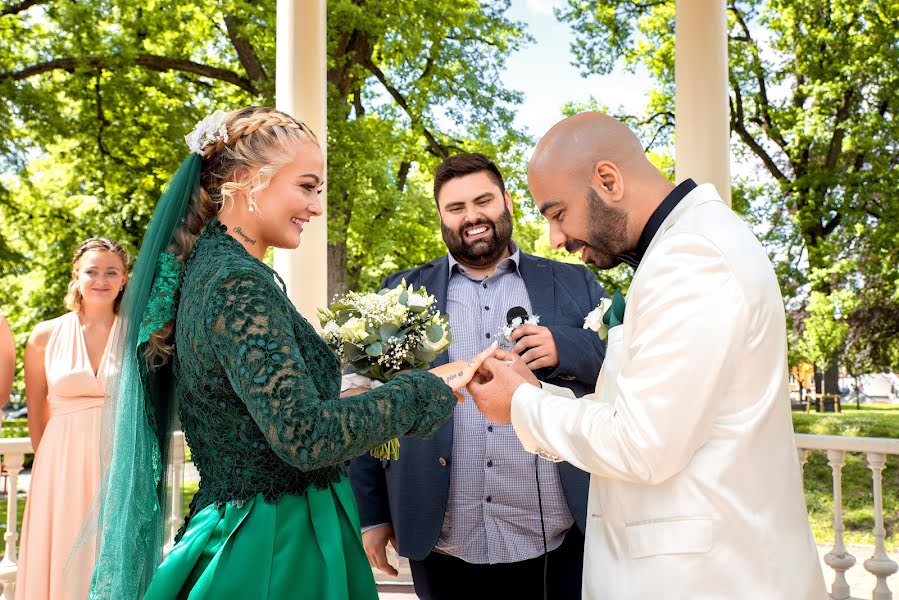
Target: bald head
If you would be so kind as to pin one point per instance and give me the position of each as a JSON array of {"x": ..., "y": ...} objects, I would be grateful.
[
  {"x": 591, "y": 179},
  {"x": 577, "y": 143}
]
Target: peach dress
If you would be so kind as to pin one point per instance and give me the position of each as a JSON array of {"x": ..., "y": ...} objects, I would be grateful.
[{"x": 66, "y": 470}]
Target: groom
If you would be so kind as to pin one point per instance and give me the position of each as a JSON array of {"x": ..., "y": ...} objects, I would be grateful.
[{"x": 695, "y": 480}]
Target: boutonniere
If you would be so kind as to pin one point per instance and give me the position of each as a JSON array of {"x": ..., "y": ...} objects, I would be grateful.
[{"x": 609, "y": 314}]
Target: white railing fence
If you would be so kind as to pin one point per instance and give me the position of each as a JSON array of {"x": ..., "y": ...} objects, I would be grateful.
[
  {"x": 839, "y": 559},
  {"x": 876, "y": 450},
  {"x": 13, "y": 451}
]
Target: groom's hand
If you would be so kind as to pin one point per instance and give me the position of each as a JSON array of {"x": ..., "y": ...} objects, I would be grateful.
[
  {"x": 536, "y": 346},
  {"x": 492, "y": 390},
  {"x": 516, "y": 363}
]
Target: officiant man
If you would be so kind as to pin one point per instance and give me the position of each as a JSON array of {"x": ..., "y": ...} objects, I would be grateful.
[
  {"x": 688, "y": 437},
  {"x": 469, "y": 507}
]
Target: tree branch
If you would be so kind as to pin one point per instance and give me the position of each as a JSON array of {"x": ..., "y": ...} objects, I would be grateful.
[
  {"x": 738, "y": 124},
  {"x": 149, "y": 61},
  {"x": 402, "y": 175},
  {"x": 836, "y": 140},
  {"x": 832, "y": 224},
  {"x": 245, "y": 52},
  {"x": 21, "y": 7},
  {"x": 764, "y": 103},
  {"x": 433, "y": 146}
]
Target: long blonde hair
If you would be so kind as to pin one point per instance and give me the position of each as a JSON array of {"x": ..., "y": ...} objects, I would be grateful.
[
  {"x": 73, "y": 297},
  {"x": 259, "y": 141}
]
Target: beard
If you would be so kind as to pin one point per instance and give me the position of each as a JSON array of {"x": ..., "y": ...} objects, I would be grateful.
[
  {"x": 484, "y": 251},
  {"x": 607, "y": 233}
]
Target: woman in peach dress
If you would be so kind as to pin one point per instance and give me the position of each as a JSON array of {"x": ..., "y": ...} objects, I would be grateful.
[{"x": 65, "y": 383}]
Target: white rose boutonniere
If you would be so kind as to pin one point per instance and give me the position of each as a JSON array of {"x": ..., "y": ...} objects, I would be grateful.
[{"x": 594, "y": 319}]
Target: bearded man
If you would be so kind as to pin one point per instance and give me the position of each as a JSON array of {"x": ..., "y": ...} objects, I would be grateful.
[
  {"x": 688, "y": 436},
  {"x": 474, "y": 513}
]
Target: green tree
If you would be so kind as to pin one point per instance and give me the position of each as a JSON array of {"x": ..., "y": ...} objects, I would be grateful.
[
  {"x": 813, "y": 105},
  {"x": 95, "y": 98}
]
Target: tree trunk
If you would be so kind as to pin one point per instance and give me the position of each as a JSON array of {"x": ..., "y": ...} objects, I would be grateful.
[{"x": 337, "y": 285}]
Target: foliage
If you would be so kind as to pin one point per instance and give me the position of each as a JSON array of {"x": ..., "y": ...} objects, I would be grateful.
[
  {"x": 95, "y": 99},
  {"x": 813, "y": 106}
]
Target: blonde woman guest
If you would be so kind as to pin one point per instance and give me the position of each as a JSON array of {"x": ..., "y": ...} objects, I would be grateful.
[
  {"x": 65, "y": 381},
  {"x": 7, "y": 361}
]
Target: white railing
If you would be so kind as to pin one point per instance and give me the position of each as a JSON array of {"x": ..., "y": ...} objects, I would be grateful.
[
  {"x": 839, "y": 559},
  {"x": 13, "y": 451}
]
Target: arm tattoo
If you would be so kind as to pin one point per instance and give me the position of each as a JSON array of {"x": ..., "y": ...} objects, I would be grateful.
[
  {"x": 245, "y": 237},
  {"x": 453, "y": 377}
]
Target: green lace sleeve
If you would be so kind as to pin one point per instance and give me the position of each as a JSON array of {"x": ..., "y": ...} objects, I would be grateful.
[{"x": 288, "y": 381}]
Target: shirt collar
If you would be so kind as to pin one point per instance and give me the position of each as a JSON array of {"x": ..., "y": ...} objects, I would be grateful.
[
  {"x": 512, "y": 261},
  {"x": 655, "y": 222}
]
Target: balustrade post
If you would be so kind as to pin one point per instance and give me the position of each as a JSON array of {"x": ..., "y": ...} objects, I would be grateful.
[
  {"x": 880, "y": 565},
  {"x": 177, "y": 482},
  {"x": 838, "y": 558},
  {"x": 802, "y": 453},
  {"x": 14, "y": 462}
]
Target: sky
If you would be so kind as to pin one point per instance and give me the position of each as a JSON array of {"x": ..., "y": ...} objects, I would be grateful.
[{"x": 543, "y": 72}]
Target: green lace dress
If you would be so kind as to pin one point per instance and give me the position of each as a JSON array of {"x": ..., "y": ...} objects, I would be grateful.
[{"x": 274, "y": 516}]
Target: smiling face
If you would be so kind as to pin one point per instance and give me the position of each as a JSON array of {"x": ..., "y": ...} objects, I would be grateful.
[
  {"x": 475, "y": 219},
  {"x": 100, "y": 276},
  {"x": 583, "y": 218},
  {"x": 289, "y": 201}
]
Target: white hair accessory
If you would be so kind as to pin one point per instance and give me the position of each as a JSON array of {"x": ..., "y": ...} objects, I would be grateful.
[{"x": 208, "y": 131}]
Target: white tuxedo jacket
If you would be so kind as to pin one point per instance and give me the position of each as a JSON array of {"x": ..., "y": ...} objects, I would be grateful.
[{"x": 695, "y": 491}]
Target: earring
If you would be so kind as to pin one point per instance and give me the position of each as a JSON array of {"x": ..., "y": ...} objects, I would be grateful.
[{"x": 252, "y": 204}]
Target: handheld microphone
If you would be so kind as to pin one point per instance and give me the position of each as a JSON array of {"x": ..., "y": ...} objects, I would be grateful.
[{"x": 516, "y": 312}]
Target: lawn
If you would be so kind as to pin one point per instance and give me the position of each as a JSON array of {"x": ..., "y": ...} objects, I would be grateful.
[{"x": 858, "y": 501}]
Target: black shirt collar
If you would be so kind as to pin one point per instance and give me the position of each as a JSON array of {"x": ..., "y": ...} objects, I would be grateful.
[{"x": 655, "y": 221}]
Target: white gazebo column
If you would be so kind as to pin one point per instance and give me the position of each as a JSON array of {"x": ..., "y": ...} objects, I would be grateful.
[
  {"x": 702, "y": 125},
  {"x": 301, "y": 91}
]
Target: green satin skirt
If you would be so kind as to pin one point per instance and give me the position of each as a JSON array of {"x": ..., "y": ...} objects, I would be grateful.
[{"x": 299, "y": 547}]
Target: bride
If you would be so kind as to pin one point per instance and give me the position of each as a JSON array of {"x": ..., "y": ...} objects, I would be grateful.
[{"x": 208, "y": 323}]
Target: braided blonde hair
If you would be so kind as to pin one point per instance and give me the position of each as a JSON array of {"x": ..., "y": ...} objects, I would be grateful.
[
  {"x": 258, "y": 143},
  {"x": 73, "y": 297}
]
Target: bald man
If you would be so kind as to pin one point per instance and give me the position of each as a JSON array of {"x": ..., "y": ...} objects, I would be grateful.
[{"x": 695, "y": 486}]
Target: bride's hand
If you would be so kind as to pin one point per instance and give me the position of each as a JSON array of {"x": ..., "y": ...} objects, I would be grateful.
[{"x": 458, "y": 373}]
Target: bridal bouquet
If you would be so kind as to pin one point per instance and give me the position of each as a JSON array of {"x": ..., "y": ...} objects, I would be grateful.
[{"x": 384, "y": 334}]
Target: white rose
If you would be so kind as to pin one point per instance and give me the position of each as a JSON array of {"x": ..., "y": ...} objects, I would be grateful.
[
  {"x": 418, "y": 300},
  {"x": 354, "y": 330},
  {"x": 594, "y": 318},
  {"x": 331, "y": 330}
]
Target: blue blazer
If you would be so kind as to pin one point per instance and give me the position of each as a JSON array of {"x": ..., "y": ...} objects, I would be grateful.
[{"x": 411, "y": 492}]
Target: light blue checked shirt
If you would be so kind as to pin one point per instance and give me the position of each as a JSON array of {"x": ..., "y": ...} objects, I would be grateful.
[{"x": 492, "y": 514}]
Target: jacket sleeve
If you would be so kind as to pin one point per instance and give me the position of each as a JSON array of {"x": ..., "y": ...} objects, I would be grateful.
[
  {"x": 685, "y": 327},
  {"x": 369, "y": 485},
  {"x": 253, "y": 338},
  {"x": 581, "y": 352}
]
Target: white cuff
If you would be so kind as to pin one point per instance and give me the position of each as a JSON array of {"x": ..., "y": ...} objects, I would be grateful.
[{"x": 524, "y": 403}]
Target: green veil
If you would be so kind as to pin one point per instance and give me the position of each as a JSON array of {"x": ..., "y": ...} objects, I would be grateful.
[{"x": 126, "y": 530}]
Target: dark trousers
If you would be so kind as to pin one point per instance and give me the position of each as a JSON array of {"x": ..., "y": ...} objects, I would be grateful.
[{"x": 443, "y": 577}]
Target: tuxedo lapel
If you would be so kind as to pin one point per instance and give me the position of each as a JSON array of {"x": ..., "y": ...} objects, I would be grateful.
[{"x": 538, "y": 280}]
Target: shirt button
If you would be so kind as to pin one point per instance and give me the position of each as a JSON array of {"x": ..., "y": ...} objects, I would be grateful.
[
  {"x": 486, "y": 308},
  {"x": 489, "y": 463},
  {"x": 442, "y": 461},
  {"x": 488, "y": 336},
  {"x": 490, "y": 428},
  {"x": 489, "y": 499},
  {"x": 485, "y": 286}
]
